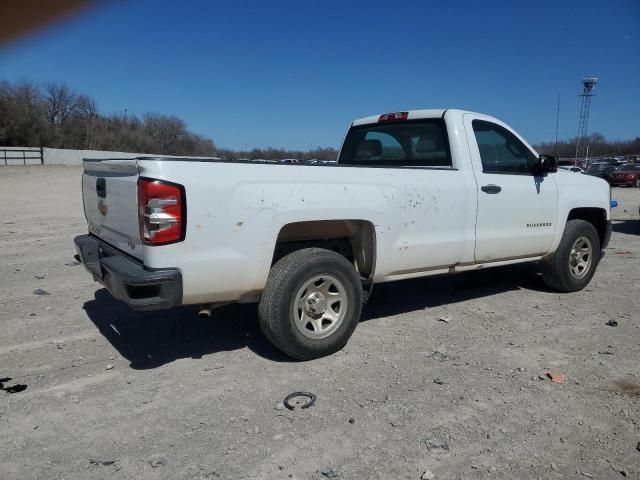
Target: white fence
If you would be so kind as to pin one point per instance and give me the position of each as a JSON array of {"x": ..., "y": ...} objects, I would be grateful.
[
  {"x": 55, "y": 156},
  {"x": 59, "y": 156}
]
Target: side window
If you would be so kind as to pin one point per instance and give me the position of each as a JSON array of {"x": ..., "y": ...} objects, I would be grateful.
[{"x": 500, "y": 150}]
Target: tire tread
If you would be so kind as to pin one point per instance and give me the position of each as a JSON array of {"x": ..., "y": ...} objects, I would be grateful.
[
  {"x": 555, "y": 272},
  {"x": 277, "y": 287}
]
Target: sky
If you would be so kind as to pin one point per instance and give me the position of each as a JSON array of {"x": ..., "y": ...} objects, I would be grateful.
[{"x": 293, "y": 74}]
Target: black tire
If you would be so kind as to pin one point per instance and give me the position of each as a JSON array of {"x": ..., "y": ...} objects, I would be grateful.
[
  {"x": 557, "y": 270},
  {"x": 286, "y": 278}
]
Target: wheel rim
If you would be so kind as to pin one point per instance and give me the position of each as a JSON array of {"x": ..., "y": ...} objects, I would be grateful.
[
  {"x": 580, "y": 258},
  {"x": 320, "y": 306}
]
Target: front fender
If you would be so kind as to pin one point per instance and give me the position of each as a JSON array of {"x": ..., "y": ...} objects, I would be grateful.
[{"x": 579, "y": 192}]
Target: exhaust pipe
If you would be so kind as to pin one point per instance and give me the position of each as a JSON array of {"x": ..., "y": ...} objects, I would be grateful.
[{"x": 205, "y": 312}]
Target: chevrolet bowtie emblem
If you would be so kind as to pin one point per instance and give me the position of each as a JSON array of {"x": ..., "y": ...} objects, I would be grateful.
[{"x": 102, "y": 207}]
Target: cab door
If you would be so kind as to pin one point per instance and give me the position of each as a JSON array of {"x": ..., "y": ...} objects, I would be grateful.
[{"x": 516, "y": 215}]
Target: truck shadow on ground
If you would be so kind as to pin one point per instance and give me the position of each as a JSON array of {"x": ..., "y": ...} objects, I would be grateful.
[
  {"x": 151, "y": 339},
  {"x": 405, "y": 296},
  {"x": 630, "y": 227}
]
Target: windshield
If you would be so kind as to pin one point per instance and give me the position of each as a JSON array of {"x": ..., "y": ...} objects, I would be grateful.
[{"x": 409, "y": 143}]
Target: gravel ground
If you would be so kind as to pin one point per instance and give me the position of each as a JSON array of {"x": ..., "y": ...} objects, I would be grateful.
[{"x": 116, "y": 394}]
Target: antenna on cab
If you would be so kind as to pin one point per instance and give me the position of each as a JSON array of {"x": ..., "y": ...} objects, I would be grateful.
[{"x": 555, "y": 147}]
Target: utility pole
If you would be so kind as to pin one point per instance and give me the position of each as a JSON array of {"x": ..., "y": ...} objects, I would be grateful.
[{"x": 588, "y": 85}]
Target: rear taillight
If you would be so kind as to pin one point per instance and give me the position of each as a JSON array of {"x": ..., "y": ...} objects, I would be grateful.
[
  {"x": 389, "y": 117},
  {"x": 161, "y": 211}
]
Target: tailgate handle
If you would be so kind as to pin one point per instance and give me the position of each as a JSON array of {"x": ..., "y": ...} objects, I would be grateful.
[
  {"x": 491, "y": 188},
  {"x": 101, "y": 187}
]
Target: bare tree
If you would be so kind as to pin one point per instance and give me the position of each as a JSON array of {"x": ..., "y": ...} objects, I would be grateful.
[
  {"x": 21, "y": 115},
  {"x": 87, "y": 112},
  {"x": 60, "y": 102},
  {"x": 168, "y": 132}
]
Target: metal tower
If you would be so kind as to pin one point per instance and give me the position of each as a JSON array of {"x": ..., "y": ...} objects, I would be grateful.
[{"x": 587, "y": 92}]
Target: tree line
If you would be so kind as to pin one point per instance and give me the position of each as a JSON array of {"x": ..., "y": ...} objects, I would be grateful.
[
  {"x": 599, "y": 146},
  {"x": 279, "y": 154},
  {"x": 53, "y": 115}
]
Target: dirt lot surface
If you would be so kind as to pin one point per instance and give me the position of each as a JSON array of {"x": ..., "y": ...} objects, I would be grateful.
[{"x": 116, "y": 394}]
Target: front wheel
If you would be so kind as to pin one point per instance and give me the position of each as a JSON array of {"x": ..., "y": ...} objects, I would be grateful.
[
  {"x": 311, "y": 303},
  {"x": 574, "y": 262}
]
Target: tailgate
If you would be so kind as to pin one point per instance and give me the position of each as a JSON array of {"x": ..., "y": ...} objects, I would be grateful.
[{"x": 110, "y": 196}]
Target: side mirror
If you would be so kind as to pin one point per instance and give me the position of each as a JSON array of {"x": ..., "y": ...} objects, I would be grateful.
[{"x": 545, "y": 164}]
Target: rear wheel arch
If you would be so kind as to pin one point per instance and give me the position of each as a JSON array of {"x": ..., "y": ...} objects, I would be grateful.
[{"x": 354, "y": 239}]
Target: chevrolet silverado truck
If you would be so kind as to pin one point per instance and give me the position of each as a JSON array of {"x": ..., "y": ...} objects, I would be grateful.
[{"x": 417, "y": 193}]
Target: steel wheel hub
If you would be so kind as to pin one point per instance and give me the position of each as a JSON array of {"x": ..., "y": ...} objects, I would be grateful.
[
  {"x": 580, "y": 258},
  {"x": 320, "y": 306},
  {"x": 315, "y": 304}
]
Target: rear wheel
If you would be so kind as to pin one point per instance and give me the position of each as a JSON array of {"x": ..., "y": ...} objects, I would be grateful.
[
  {"x": 574, "y": 262},
  {"x": 311, "y": 303}
]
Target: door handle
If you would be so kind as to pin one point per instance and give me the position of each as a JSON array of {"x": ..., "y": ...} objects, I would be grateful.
[{"x": 491, "y": 188}]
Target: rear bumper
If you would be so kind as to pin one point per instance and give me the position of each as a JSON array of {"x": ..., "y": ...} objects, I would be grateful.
[{"x": 127, "y": 279}]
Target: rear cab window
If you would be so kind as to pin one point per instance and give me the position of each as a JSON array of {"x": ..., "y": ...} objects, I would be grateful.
[{"x": 407, "y": 143}]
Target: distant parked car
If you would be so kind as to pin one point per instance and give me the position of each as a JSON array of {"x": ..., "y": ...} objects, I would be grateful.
[
  {"x": 628, "y": 174},
  {"x": 315, "y": 161},
  {"x": 601, "y": 170},
  {"x": 263, "y": 160},
  {"x": 291, "y": 161},
  {"x": 571, "y": 168}
]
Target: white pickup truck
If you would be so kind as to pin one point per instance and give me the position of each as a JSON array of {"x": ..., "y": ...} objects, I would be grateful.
[{"x": 424, "y": 192}]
